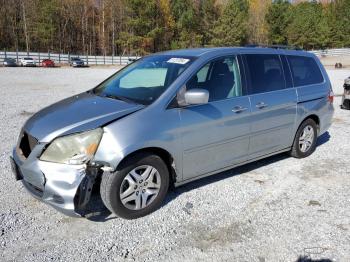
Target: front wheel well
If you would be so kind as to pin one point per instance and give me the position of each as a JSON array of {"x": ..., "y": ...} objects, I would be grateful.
[{"x": 162, "y": 153}]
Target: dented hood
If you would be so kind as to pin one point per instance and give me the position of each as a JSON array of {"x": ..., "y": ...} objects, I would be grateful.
[{"x": 76, "y": 114}]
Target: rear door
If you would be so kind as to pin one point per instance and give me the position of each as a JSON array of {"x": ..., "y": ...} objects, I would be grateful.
[
  {"x": 273, "y": 102},
  {"x": 216, "y": 135}
]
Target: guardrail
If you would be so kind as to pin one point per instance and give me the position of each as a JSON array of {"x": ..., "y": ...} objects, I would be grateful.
[
  {"x": 59, "y": 58},
  {"x": 332, "y": 52},
  {"x": 64, "y": 58}
]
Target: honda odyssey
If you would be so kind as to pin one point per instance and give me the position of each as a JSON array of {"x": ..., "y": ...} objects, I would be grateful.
[{"x": 168, "y": 119}]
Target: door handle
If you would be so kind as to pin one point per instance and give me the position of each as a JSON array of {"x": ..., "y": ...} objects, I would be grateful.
[
  {"x": 261, "y": 105},
  {"x": 239, "y": 109}
]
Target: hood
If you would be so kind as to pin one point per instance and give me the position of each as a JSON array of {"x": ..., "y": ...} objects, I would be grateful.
[{"x": 76, "y": 114}]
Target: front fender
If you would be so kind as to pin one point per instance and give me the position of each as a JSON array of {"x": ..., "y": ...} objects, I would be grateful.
[{"x": 138, "y": 131}]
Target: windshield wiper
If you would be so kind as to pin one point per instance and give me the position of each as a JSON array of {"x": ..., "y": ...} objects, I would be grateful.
[{"x": 122, "y": 98}]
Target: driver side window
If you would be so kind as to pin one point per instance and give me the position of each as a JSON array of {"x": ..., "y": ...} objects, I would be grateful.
[{"x": 220, "y": 77}]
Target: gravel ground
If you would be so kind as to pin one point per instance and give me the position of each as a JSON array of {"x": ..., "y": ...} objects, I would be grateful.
[{"x": 277, "y": 209}]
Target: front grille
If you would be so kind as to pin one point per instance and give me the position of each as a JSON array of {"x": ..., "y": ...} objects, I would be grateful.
[{"x": 27, "y": 144}]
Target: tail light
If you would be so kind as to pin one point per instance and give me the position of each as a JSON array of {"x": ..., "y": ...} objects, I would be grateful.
[{"x": 331, "y": 96}]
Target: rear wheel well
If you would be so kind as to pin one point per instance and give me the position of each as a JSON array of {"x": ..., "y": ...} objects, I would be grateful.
[
  {"x": 316, "y": 119},
  {"x": 163, "y": 154}
]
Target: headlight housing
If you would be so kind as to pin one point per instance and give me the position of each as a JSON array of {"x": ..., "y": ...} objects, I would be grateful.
[{"x": 74, "y": 149}]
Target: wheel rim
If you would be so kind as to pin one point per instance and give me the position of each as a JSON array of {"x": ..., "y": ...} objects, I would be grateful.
[
  {"x": 140, "y": 187},
  {"x": 306, "y": 139}
]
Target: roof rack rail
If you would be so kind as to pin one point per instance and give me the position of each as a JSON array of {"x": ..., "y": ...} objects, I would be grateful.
[{"x": 276, "y": 47}]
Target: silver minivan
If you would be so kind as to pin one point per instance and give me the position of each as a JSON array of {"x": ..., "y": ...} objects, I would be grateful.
[{"x": 168, "y": 119}]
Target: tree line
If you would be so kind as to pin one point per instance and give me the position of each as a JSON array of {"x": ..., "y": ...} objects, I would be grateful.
[{"x": 138, "y": 27}]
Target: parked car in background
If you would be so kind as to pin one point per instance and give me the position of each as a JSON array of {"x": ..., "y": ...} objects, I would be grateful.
[
  {"x": 48, "y": 63},
  {"x": 345, "y": 103},
  {"x": 76, "y": 62},
  {"x": 171, "y": 118},
  {"x": 27, "y": 61},
  {"x": 9, "y": 62},
  {"x": 131, "y": 60}
]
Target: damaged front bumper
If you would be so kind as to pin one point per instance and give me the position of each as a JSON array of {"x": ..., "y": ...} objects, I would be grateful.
[{"x": 67, "y": 188}]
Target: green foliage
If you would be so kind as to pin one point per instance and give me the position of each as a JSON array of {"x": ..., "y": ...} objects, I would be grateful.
[
  {"x": 209, "y": 13},
  {"x": 277, "y": 19},
  {"x": 142, "y": 26},
  {"x": 146, "y": 26},
  {"x": 45, "y": 24},
  {"x": 187, "y": 19},
  {"x": 308, "y": 27},
  {"x": 338, "y": 19},
  {"x": 231, "y": 28}
]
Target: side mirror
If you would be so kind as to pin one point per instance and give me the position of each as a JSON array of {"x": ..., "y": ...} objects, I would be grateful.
[{"x": 196, "y": 96}]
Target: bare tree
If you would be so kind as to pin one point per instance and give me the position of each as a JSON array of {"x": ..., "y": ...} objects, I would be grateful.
[{"x": 25, "y": 26}]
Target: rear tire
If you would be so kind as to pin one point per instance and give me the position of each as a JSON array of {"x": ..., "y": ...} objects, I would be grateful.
[
  {"x": 146, "y": 191},
  {"x": 305, "y": 139}
]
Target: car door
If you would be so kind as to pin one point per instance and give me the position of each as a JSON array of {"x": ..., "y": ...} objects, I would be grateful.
[
  {"x": 216, "y": 135},
  {"x": 273, "y": 102}
]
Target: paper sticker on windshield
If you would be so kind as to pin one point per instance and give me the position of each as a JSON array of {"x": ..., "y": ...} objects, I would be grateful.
[{"x": 176, "y": 60}]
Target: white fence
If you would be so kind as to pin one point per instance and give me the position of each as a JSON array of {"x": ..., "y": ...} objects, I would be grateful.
[
  {"x": 332, "y": 52},
  {"x": 123, "y": 60},
  {"x": 64, "y": 58}
]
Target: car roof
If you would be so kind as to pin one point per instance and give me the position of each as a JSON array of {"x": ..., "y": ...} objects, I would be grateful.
[{"x": 197, "y": 52}]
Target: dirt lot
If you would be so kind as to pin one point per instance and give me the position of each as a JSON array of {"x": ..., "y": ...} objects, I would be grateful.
[{"x": 278, "y": 209}]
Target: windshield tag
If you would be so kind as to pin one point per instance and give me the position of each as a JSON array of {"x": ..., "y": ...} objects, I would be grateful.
[{"x": 180, "y": 61}]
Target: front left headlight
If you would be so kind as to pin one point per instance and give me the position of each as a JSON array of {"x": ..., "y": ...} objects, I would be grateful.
[{"x": 74, "y": 149}]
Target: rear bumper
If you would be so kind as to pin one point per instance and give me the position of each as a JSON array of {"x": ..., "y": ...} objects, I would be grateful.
[
  {"x": 67, "y": 188},
  {"x": 325, "y": 114}
]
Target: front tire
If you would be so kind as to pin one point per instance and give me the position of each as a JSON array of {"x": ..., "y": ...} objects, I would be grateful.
[
  {"x": 305, "y": 139},
  {"x": 138, "y": 188}
]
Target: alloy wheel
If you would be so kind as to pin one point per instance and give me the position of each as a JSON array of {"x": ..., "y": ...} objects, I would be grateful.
[
  {"x": 306, "y": 139},
  {"x": 140, "y": 187}
]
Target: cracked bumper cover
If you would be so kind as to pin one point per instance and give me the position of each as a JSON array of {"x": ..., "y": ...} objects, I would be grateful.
[{"x": 67, "y": 188}]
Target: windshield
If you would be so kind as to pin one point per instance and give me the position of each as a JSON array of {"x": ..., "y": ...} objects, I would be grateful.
[
  {"x": 28, "y": 58},
  {"x": 144, "y": 80}
]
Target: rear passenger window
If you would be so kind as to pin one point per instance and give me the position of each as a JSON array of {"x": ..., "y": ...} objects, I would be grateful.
[
  {"x": 265, "y": 73},
  {"x": 305, "y": 71}
]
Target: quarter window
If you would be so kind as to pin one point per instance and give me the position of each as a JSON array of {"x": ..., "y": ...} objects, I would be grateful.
[
  {"x": 305, "y": 71},
  {"x": 265, "y": 73},
  {"x": 220, "y": 77}
]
